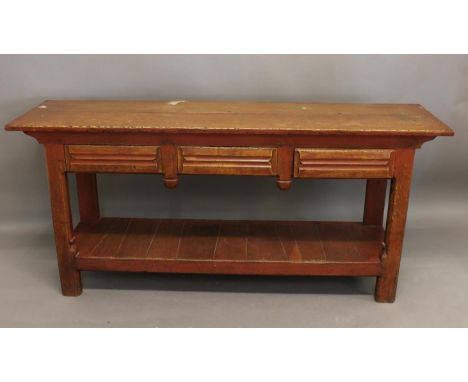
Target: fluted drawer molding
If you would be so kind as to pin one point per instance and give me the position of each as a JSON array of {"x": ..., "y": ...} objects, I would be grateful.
[
  {"x": 105, "y": 158},
  {"x": 227, "y": 160},
  {"x": 343, "y": 163}
]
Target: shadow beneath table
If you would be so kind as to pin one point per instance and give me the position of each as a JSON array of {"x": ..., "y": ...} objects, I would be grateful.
[{"x": 229, "y": 283}]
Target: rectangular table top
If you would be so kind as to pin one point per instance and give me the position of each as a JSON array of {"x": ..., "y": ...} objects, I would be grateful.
[{"x": 230, "y": 118}]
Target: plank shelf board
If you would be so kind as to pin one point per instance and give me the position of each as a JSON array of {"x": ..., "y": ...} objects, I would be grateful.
[{"x": 230, "y": 247}]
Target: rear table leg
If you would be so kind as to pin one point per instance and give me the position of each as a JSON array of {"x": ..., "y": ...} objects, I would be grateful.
[
  {"x": 374, "y": 206},
  {"x": 88, "y": 199}
]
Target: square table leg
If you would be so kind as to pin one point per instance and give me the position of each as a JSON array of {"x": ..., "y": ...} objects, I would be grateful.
[
  {"x": 386, "y": 285},
  {"x": 88, "y": 199},
  {"x": 374, "y": 206},
  {"x": 70, "y": 277}
]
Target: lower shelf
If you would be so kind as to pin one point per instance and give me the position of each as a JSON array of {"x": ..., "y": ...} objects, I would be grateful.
[{"x": 230, "y": 247}]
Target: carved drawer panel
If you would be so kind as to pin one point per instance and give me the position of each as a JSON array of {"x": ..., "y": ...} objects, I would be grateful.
[
  {"x": 100, "y": 158},
  {"x": 227, "y": 160},
  {"x": 343, "y": 163}
]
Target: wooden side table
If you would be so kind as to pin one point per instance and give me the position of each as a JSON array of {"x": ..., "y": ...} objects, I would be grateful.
[{"x": 288, "y": 141}]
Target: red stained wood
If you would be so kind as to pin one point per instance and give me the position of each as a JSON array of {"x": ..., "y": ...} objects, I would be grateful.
[
  {"x": 282, "y": 140},
  {"x": 341, "y": 163},
  {"x": 166, "y": 240},
  {"x": 70, "y": 277},
  {"x": 338, "y": 242},
  {"x": 374, "y": 205},
  {"x": 88, "y": 199},
  {"x": 236, "y": 117},
  {"x": 386, "y": 285},
  {"x": 227, "y": 160},
  {"x": 308, "y": 241},
  {"x": 277, "y": 268},
  {"x": 368, "y": 240},
  {"x": 285, "y": 164},
  {"x": 198, "y": 240},
  {"x": 232, "y": 242},
  {"x": 205, "y": 242},
  {"x": 231, "y": 139},
  {"x": 137, "y": 238},
  {"x": 112, "y": 240},
  {"x": 169, "y": 165},
  {"x": 105, "y": 158},
  {"x": 263, "y": 242}
]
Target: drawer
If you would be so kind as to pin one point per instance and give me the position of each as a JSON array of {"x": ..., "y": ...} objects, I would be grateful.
[
  {"x": 343, "y": 163},
  {"x": 227, "y": 160},
  {"x": 101, "y": 158}
]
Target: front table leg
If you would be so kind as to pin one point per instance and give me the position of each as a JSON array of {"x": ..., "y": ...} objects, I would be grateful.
[
  {"x": 385, "y": 289},
  {"x": 70, "y": 277}
]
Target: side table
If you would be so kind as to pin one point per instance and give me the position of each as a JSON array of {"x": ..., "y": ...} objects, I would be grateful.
[{"x": 288, "y": 141}]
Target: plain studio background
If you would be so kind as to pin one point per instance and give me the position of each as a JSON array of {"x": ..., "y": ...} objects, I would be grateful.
[{"x": 433, "y": 282}]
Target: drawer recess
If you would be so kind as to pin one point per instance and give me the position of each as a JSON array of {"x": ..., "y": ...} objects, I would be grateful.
[
  {"x": 343, "y": 163},
  {"x": 227, "y": 160},
  {"x": 103, "y": 158}
]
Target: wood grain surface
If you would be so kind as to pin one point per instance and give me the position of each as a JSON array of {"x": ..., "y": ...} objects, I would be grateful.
[
  {"x": 231, "y": 117},
  {"x": 285, "y": 140},
  {"x": 105, "y": 158},
  {"x": 227, "y": 160},
  {"x": 340, "y": 163},
  {"x": 208, "y": 246}
]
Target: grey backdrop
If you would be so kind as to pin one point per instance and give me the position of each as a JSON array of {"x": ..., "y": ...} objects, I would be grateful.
[{"x": 437, "y": 217}]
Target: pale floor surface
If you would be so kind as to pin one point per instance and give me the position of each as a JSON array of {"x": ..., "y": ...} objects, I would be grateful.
[{"x": 432, "y": 292}]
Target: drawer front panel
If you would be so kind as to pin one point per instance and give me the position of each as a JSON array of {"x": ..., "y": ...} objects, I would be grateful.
[
  {"x": 343, "y": 163},
  {"x": 227, "y": 160},
  {"x": 97, "y": 158}
]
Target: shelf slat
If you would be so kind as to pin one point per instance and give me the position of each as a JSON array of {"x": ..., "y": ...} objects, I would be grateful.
[{"x": 230, "y": 247}]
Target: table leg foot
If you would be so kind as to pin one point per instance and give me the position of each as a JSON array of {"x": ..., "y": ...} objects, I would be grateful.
[
  {"x": 385, "y": 289},
  {"x": 71, "y": 283}
]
